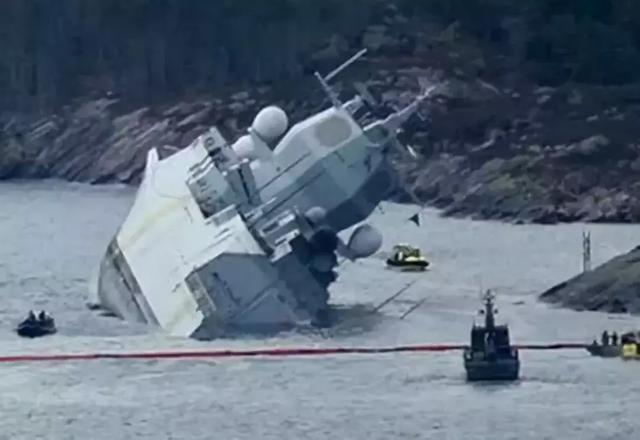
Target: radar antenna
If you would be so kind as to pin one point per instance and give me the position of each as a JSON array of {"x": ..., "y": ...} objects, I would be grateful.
[
  {"x": 324, "y": 81},
  {"x": 489, "y": 310}
]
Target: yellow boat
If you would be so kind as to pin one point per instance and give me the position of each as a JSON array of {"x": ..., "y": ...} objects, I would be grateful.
[
  {"x": 407, "y": 257},
  {"x": 631, "y": 351},
  {"x": 630, "y": 345}
]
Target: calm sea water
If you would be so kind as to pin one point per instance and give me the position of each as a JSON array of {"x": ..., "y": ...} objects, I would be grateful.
[{"x": 52, "y": 235}]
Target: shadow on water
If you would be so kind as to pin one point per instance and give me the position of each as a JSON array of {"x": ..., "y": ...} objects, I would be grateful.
[
  {"x": 340, "y": 322},
  {"x": 491, "y": 386}
]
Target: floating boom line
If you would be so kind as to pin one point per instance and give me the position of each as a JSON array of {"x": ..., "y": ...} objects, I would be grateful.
[{"x": 266, "y": 352}]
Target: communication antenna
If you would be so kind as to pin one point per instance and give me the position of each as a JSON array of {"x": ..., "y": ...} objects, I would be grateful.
[
  {"x": 586, "y": 251},
  {"x": 324, "y": 80}
]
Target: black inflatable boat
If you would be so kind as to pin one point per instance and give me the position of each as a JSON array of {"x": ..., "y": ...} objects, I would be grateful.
[{"x": 33, "y": 327}]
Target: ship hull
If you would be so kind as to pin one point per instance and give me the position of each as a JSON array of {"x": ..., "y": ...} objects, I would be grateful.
[
  {"x": 271, "y": 306},
  {"x": 418, "y": 266},
  {"x": 193, "y": 276},
  {"x": 498, "y": 370},
  {"x": 480, "y": 367},
  {"x": 607, "y": 351}
]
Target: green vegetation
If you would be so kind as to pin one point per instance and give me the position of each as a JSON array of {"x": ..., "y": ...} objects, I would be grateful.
[
  {"x": 51, "y": 50},
  {"x": 580, "y": 40}
]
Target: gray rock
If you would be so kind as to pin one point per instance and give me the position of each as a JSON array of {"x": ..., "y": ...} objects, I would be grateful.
[
  {"x": 476, "y": 91},
  {"x": 12, "y": 158},
  {"x": 612, "y": 287}
]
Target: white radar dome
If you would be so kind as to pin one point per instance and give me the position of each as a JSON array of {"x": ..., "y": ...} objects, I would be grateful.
[
  {"x": 270, "y": 123},
  {"x": 244, "y": 147},
  {"x": 364, "y": 241}
]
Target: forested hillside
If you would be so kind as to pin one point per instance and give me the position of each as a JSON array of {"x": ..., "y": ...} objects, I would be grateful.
[
  {"x": 536, "y": 117},
  {"x": 51, "y": 50}
]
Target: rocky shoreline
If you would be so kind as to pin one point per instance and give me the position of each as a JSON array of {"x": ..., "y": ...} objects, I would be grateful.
[
  {"x": 496, "y": 145},
  {"x": 613, "y": 287}
]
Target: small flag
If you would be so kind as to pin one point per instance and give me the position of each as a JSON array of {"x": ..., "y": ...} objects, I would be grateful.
[{"x": 415, "y": 218}]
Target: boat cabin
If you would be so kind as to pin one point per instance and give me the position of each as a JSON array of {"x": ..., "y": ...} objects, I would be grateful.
[
  {"x": 481, "y": 338},
  {"x": 491, "y": 337},
  {"x": 491, "y": 356},
  {"x": 401, "y": 251}
]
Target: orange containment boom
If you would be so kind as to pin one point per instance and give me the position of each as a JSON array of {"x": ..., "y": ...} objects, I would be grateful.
[{"x": 270, "y": 352}]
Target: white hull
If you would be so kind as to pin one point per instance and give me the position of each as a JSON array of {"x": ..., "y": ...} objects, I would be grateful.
[{"x": 165, "y": 261}]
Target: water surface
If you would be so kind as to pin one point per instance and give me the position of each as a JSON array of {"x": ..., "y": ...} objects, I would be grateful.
[{"x": 53, "y": 234}]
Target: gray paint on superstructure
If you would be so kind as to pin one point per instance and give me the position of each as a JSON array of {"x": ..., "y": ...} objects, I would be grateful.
[
  {"x": 316, "y": 187},
  {"x": 258, "y": 279}
]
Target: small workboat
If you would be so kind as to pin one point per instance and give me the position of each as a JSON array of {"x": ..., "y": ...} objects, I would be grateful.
[
  {"x": 631, "y": 351},
  {"x": 33, "y": 327},
  {"x": 607, "y": 351},
  {"x": 491, "y": 357},
  {"x": 406, "y": 258},
  {"x": 631, "y": 346}
]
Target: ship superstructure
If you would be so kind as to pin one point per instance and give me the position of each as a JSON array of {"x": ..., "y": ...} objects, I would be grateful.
[{"x": 244, "y": 236}]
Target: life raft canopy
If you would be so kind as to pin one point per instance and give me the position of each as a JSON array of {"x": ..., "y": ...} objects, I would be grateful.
[{"x": 406, "y": 250}]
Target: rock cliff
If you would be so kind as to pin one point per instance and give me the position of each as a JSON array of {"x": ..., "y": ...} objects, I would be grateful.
[
  {"x": 613, "y": 287},
  {"x": 527, "y": 126}
]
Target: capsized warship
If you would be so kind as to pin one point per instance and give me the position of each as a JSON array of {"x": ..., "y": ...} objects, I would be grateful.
[{"x": 244, "y": 236}]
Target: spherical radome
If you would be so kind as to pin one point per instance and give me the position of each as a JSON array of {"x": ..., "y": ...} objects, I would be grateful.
[
  {"x": 244, "y": 147},
  {"x": 365, "y": 241},
  {"x": 270, "y": 123}
]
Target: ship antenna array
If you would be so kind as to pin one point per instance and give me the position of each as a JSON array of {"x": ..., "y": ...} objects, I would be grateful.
[
  {"x": 586, "y": 251},
  {"x": 324, "y": 81}
]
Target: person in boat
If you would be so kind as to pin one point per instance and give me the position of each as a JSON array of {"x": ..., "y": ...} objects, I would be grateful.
[
  {"x": 44, "y": 317},
  {"x": 605, "y": 338},
  {"x": 490, "y": 345},
  {"x": 614, "y": 338},
  {"x": 31, "y": 317}
]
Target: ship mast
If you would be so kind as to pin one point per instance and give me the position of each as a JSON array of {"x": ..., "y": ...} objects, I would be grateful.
[
  {"x": 324, "y": 80},
  {"x": 489, "y": 320}
]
